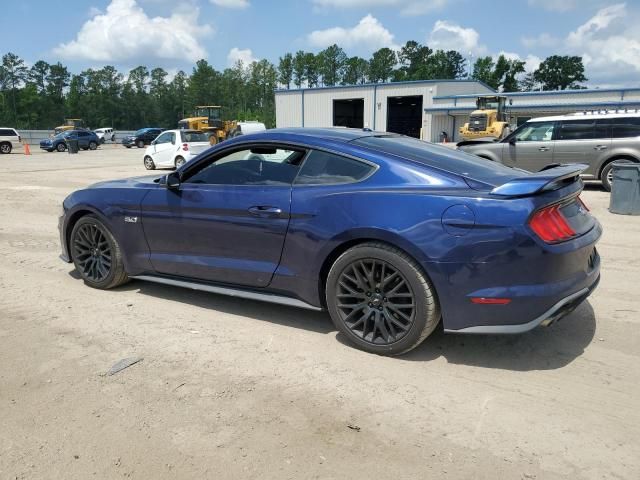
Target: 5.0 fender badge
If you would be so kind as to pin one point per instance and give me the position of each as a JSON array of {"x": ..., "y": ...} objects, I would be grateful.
[{"x": 131, "y": 219}]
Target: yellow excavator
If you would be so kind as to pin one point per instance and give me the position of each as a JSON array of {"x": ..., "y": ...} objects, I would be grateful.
[
  {"x": 488, "y": 121},
  {"x": 69, "y": 124},
  {"x": 208, "y": 119}
]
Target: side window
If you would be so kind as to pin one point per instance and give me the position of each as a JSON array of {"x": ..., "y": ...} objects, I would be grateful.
[
  {"x": 536, "y": 132},
  {"x": 83, "y": 134},
  {"x": 251, "y": 166},
  {"x": 625, "y": 127},
  {"x": 165, "y": 138},
  {"x": 577, "y": 130},
  {"x": 322, "y": 168},
  {"x": 5, "y": 132}
]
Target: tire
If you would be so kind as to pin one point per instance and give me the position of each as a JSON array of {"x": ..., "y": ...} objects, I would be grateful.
[
  {"x": 93, "y": 145},
  {"x": 127, "y": 146},
  {"x": 358, "y": 309},
  {"x": 606, "y": 175},
  {"x": 96, "y": 254},
  {"x": 61, "y": 147},
  {"x": 179, "y": 162},
  {"x": 113, "y": 138},
  {"x": 140, "y": 144},
  {"x": 102, "y": 140},
  {"x": 5, "y": 148},
  {"x": 148, "y": 163},
  {"x": 213, "y": 140}
]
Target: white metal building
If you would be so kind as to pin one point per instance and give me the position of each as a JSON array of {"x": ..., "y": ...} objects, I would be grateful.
[
  {"x": 426, "y": 108},
  {"x": 400, "y": 107}
]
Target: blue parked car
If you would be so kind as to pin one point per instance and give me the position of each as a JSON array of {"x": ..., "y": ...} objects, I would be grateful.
[
  {"x": 87, "y": 140},
  {"x": 390, "y": 234}
]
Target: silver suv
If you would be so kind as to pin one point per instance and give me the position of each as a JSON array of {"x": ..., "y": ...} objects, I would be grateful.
[
  {"x": 9, "y": 139},
  {"x": 596, "y": 139}
]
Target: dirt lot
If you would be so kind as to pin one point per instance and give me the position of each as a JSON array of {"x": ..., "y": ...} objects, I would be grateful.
[{"x": 237, "y": 389}]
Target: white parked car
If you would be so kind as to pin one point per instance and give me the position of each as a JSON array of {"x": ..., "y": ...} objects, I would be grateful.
[
  {"x": 9, "y": 139},
  {"x": 173, "y": 148},
  {"x": 105, "y": 134}
]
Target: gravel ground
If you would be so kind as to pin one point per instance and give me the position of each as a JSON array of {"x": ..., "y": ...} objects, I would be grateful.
[{"x": 232, "y": 388}]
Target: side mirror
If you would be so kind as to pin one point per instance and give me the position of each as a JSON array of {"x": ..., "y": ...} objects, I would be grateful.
[
  {"x": 512, "y": 140},
  {"x": 172, "y": 181},
  {"x": 153, "y": 142}
]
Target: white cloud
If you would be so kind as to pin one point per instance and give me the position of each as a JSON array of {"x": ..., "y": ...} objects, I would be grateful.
[
  {"x": 451, "y": 36},
  {"x": 368, "y": 34},
  {"x": 407, "y": 7},
  {"x": 236, "y": 55},
  {"x": 609, "y": 43},
  {"x": 93, "y": 11},
  {"x": 124, "y": 32},
  {"x": 231, "y": 3}
]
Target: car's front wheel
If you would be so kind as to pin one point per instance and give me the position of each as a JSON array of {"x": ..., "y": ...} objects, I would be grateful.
[
  {"x": 93, "y": 145},
  {"x": 148, "y": 163},
  {"x": 381, "y": 299},
  {"x": 96, "y": 254},
  {"x": 140, "y": 144},
  {"x": 61, "y": 147}
]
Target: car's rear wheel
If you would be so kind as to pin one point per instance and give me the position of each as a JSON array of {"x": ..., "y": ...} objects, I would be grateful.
[
  {"x": 96, "y": 254},
  {"x": 93, "y": 145},
  {"x": 148, "y": 163},
  {"x": 140, "y": 144},
  {"x": 381, "y": 299},
  {"x": 61, "y": 147},
  {"x": 179, "y": 162},
  {"x": 5, "y": 148}
]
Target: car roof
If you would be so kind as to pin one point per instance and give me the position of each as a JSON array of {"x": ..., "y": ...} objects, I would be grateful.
[
  {"x": 335, "y": 134},
  {"x": 586, "y": 116}
]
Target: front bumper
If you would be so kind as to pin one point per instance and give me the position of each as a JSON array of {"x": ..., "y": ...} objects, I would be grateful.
[{"x": 64, "y": 253}]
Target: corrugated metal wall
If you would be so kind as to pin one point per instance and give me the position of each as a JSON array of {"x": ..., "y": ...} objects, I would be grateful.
[{"x": 318, "y": 104}]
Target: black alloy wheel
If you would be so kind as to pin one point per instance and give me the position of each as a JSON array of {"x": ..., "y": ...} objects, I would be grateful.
[
  {"x": 375, "y": 301},
  {"x": 381, "y": 299},
  {"x": 92, "y": 252},
  {"x": 96, "y": 254}
]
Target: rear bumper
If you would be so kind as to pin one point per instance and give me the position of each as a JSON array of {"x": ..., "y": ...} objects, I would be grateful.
[{"x": 561, "y": 309}]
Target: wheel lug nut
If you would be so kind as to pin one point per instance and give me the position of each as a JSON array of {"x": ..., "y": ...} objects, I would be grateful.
[
  {"x": 380, "y": 308},
  {"x": 368, "y": 294},
  {"x": 371, "y": 304}
]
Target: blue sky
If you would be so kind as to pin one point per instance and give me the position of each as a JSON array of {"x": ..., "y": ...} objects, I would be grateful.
[{"x": 173, "y": 34}]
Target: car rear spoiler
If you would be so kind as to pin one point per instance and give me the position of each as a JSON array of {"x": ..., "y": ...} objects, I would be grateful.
[{"x": 545, "y": 180}]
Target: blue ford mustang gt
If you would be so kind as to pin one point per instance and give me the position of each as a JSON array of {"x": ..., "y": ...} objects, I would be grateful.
[{"x": 390, "y": 234}]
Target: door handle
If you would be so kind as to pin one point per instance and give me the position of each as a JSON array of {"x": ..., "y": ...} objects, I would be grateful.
[
  {"x": 600, "y": 147},
  {"x": 543, "y": 149},
  {"x": 265, "y": 211}
]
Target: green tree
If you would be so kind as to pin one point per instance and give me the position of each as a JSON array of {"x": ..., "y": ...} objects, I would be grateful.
[
  {"x": 311, "y": 69},
  {"x": 381, "y": 65},
  {"x": 15, "y": 73},
  {"x": 299, "y": 68},
  {"x": 355, "y": 70},
  {"x": 446, "y": 65},
  {"x": 331, "y": 63},
  {"x": 38, "y": 74},
  {"x": 559, "y": 72},
  {"x": 413, "y": 59},
  {"x": 285, "y": 70},
  {"x": 483, "y": 71}
]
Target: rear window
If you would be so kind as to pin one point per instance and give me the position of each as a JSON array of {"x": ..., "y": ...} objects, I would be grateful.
[
  {"x": 192, "y": 137},
  {"x": 625, "y": 127},
  {"x": 442, "y": 158}
]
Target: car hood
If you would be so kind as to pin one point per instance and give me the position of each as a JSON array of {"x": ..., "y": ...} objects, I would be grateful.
[{"x": 134, "y": 182}]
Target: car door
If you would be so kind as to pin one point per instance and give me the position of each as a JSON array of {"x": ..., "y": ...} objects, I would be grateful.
[
  {"x": 83, "y": 139},
  {"x": 530, "y": 148},
  {"x": 163, "y": 148},
  {"x": 582, "y": 141},
  {"x": 228, "y": 219}
]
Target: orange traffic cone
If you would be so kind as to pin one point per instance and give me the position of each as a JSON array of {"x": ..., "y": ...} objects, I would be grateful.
[{"x": 27, "y": 150}]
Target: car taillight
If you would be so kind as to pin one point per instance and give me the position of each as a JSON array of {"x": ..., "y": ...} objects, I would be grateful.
[
  {"x": 185, "y": 147},
  {"x": 551, "y": 225}
]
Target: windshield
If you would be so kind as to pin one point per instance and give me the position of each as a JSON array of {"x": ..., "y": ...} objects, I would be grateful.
[
  {"x": 209, "y": 112},
  {"x": 141, "y": 131},
  {"x": 191, "y": 137},
  {"x": 442, "y": 158}
]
